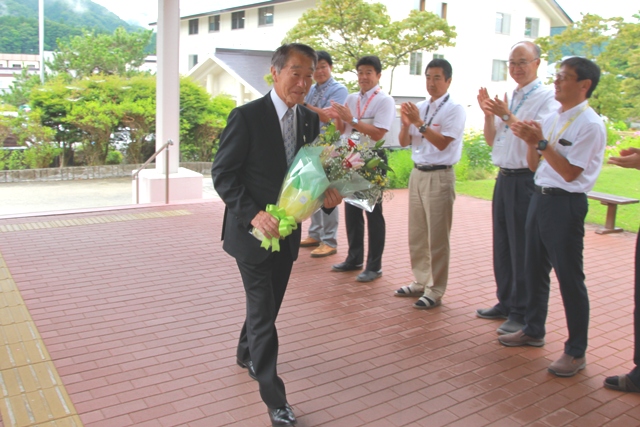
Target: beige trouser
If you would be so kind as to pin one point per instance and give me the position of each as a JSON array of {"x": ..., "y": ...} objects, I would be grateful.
[{"x": 431, "y": 197}]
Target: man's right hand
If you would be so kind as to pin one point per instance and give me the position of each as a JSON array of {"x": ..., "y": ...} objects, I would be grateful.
[
  {"x": 484, "y": 101},
  {"x": 267, "y": 224}
]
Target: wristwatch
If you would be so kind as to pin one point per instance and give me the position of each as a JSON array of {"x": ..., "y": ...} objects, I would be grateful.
[
  {"x": 354, "y": 121},
  {"x": 423, "y": 128},
  {"x": 506, "y": 117},
  {"x": 542, "y": 144}
]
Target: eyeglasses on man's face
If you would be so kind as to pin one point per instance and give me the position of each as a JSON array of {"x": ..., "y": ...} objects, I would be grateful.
[
  {"x": 521, "y": 64},
  {"x": 561, "y": 77}
]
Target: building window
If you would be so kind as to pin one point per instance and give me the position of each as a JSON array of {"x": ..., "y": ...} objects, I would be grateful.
[
  {"x": 265, "y": 16},
  {"x": 415, "y": 64},
  {"x": 237, "y": 20},
  {"x": 503, "y": 23},
  {"x": 499, "y": 73},
  {"x": 193, "y": 61},
  {"x": 193, "y": 26},
  {"x": 214, "y": 23},
  {"x": 443, "y": 11},
  {"x": 531, "y": 27},
  {"x": 438, "y": 56}
]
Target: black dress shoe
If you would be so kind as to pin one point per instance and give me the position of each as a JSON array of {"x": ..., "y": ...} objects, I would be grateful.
[
  {"x": 282, "y": 416},
  {"x": 490, "y": 313},
  {"x": 248, "y": 365},
  {"x": 368, "y": 276},
  {"x": 345, "y": 266}
]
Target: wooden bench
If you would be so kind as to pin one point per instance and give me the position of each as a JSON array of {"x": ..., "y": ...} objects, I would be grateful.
[{"x": 612, "y": 203}]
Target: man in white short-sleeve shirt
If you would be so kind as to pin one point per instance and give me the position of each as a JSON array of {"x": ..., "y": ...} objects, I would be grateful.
[
  {"x": 434, "y": 128},
  {"x": 531, "y": 100},
  {"x": 370, "y": 112},
  {"x": 566, "y": 153}
]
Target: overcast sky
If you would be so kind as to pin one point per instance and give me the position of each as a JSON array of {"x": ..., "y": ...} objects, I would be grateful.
[{"x": 145, "y": 11}]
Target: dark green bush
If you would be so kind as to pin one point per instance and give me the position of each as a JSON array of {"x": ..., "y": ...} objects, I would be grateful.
[{"x": 401, "y": 165}]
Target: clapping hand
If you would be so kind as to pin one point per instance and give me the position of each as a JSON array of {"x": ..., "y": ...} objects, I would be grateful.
[{"x": 629, "y": 158}]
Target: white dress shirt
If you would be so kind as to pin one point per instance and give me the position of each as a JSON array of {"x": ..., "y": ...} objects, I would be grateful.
[
  {"x": 281, "y": 110},
  {"x": 449, "y": 121},
  {"x": 380, "y": 112},
  {"x": 508, "y": 150},
  {"x": 588, "y": 137}
]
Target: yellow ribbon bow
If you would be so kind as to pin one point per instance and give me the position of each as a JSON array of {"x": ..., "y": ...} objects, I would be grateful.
[{"x": 286, "y": 225}]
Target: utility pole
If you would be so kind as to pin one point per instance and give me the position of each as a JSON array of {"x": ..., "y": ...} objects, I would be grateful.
[{"x": 41, "y": 37}]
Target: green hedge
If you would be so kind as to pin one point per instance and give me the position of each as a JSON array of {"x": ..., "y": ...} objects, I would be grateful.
[{"x": 474, "y": 164}]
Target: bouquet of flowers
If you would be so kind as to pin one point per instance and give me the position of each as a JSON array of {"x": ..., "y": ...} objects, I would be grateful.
[
  {"x": 300, "y": 196},
  {"x": 355, "y": 170}
]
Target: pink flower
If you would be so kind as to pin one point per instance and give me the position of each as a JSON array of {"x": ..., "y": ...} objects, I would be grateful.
[{"x": 353, "y": 161}]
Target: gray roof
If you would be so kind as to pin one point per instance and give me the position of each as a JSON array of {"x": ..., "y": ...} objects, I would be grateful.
[{"x": 250, "y": 65}]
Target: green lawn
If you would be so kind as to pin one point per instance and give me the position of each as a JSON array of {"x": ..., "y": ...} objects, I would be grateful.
[{"x": 612, "y": 180}]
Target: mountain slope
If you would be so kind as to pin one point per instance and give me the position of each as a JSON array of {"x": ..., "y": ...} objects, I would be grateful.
[{"x": 63, "y": 18}]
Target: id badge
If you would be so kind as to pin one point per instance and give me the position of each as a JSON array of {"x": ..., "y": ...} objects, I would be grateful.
[{"x": 499, "y": 141}]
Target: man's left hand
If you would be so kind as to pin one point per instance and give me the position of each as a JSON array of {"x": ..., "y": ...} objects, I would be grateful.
[
  {"x": 529, "y": 131},
  {"x": 498, "y": 106},
  {"x": 342, "y": 111},
  {"x": 332, "y": 198}
]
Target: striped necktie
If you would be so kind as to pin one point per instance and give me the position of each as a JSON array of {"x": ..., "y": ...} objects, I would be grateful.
[{"x": 289, "y": 136}]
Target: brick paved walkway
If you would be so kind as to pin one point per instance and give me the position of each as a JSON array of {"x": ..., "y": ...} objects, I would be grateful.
[{"x": 140, "y": 311}]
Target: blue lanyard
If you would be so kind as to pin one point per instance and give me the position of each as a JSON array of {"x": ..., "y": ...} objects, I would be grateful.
[{"x": 524, "y": 98}]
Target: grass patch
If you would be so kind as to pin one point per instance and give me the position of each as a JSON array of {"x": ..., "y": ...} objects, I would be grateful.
[{"x": 612, "y": 180}]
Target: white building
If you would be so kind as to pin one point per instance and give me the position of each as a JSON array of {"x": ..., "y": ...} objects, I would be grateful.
[{"x": 486, "y": 31}]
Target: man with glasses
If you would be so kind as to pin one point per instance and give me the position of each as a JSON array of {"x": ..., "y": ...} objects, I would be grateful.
[
  {"x": 514, "y": 184},
  {"x": 566, "y": 153},
  {"x": 323, "y": 231}
]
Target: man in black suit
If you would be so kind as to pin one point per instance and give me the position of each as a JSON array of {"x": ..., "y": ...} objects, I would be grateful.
[{"x": 256, "y": 148}]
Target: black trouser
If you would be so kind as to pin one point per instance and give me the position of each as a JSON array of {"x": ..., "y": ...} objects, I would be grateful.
[
  {"x": 511, "y": 197},
  {"x": 265, "y": 285},
  {"x": 376, "y": 228},
  {"x": 555, "y": 237},
  {"x": 635, "y": 373}
]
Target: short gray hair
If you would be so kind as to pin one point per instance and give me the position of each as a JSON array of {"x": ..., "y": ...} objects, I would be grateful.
[{"x": 281, "y": 55}]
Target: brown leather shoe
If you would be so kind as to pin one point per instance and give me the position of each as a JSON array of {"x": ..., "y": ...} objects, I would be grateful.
[
  {"x": 308, "y": 242},
  {"x": 519, "y": 338},
  {"x": 567, "y": 366},
  {"x": 322, "y": 251}
]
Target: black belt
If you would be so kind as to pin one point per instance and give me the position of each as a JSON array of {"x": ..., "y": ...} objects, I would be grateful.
[
  {"x": 429, "y": 168},
  {"x": 511, "y": 172},
  {"x": 552, "y": 191}
]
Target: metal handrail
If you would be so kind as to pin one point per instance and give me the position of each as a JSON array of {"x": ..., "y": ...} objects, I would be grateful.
[{"x": 136, "y": 173}]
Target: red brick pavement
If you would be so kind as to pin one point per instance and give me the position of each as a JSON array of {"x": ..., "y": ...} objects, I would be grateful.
[{"x": 141, "y": 320}]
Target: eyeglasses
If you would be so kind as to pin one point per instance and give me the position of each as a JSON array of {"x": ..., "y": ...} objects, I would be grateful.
[
  {"x": 521, "y": 64},
  {"x": 561, "y": 77}
]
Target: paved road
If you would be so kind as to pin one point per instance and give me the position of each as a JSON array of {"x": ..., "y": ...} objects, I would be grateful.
[{"x": 31, "y": 197}]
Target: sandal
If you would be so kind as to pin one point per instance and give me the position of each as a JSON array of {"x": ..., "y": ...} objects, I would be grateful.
[
  {"x": 408, "y": 291},
  {"x": 425, "y": 303},
  {"x": 621, "y": 383}
]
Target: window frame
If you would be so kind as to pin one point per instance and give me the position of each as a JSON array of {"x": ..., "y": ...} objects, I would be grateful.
[
  {"x": 415, "y": 64},
  {"x": 237, "y": 20},
  {"x": 194, "y": 26},
  {"x": 505, "y": 23},
  {"x": 497, "y": 74},
  {"x": 529, "y": 27},
  {"x": 262, "y": 16},
  {"x": 216, "y": 23}
]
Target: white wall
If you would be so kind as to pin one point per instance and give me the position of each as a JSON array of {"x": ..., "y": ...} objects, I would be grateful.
[{"x": 477, "y": 44}]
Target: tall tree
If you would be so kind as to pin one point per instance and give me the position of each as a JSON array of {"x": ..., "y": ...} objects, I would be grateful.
[
  {"x": 350, "y": 29},
  {"x": 615, "y": 46},
  {"x": 119, "y": 53}
]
